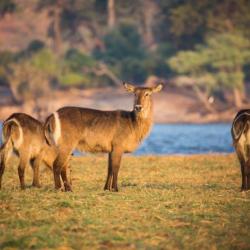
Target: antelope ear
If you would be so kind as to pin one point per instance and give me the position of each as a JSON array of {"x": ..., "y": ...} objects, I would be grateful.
[
  {"x": 129, "y": 87},
  {"x": 158, "y": 88}
]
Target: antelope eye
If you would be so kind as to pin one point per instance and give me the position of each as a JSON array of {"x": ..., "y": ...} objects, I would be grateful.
[{"x": 147, "y": 94}]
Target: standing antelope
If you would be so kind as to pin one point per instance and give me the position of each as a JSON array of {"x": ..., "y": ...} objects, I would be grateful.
[
  {"x": 24, "y": 135},
  {"x": 114, "y": 132},
  {"x": 241, "y": 140}
]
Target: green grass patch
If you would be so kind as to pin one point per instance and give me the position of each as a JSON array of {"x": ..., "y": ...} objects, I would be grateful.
[{"x": 175, "y": 202}]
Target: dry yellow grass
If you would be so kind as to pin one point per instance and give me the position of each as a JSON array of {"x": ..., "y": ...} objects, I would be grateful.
[{"x": 175, "y": 202}]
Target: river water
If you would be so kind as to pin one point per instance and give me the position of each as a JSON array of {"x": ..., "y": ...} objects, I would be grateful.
[
  {"x": 183, "y": 139},
  {"x": 188, "y": 139}
]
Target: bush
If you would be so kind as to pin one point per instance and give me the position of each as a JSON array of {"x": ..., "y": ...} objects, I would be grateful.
[
  {"x": 133, "y": 70},
  {"x": 35, "y": 46},
  {"x": 128, "y": 58},
  {"x": 123, "y": 42},
  {"x": 7, "y": 6},
  {"x": 73, "y": 79},
  {"x": 124, "y": 53},
  {"x": 46, "y": 61},
  {"x": 6, "y": 57},
  {"x": 155, "y": 65},
  {"x": 76, "y": 60}
]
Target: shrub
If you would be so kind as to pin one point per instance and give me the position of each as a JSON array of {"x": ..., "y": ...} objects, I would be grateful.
[
  {"x": 73, "y": 79},
  {"x": 35, "y": 46},
  {"x": 76, "y": 60},
  {"x": 123, "y": 42},
  {"x": 133, "y": 70}
]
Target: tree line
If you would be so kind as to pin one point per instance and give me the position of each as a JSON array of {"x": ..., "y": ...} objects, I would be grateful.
[{"x": 201, "y": 45}]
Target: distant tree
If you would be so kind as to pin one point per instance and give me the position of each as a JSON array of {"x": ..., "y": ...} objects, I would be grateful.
[
  {"x": 187, "y": 23},
  {"x": 216, "y": 65},
  {"x": 111, "y": 14},
  {"x": 124, "y": 53},
  {"x": 191, "y": 67},
  {"x": 7, "y": 6},
  {"x": 56, "y": 8},
  {"x": 149, "y": 9},
  {"x": 227, "y": 54},
  {"x": 29, "y": 78}
]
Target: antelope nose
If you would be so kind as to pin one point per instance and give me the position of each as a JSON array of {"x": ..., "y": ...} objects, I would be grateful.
[{"x": 138, "y": 108}]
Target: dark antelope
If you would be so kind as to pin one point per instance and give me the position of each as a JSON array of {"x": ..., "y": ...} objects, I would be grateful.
[
  {"x": 24, "y": 135},
  {"x": 241, "y": 141},
  {"x": 114, "y": 132}
]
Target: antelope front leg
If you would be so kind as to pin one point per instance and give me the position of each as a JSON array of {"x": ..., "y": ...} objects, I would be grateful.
[
  {"x": 2, "y": 167},
  {"x": 245, "y": 177},
  {"x": 247, "y": 173},
  {"x": 67, "y": 184},
  {"x": 109, "y": 175},
  {"x": 60, "y": 169},
  {"x": 116, "y": 157},
  {"x": 248, "y": 182}
]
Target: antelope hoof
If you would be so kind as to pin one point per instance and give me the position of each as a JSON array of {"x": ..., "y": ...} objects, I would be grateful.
[
  {"x": 107, "y": 188},
  {"x": 244, "y": 189},
  {"x": 68, "y": 188},
  {"x": 37, "y": 185},
  {"x": 58, "y": 187},
  {"x": 22, "y": 187}
]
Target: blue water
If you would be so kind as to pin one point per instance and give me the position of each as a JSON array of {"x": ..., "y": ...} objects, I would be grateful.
[{"x": 187, "y": 139}]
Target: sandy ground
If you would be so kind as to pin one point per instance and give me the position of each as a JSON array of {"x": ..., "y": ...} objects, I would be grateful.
[{"x": 170, "y": 106}]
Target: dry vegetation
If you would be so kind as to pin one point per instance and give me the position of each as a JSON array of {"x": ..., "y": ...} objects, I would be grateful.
[{"x": 164, "y": 203}]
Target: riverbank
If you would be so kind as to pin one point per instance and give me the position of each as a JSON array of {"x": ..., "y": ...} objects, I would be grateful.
[
  {"x": 170, "y": 105},
  {"x": 174, "y": 202}
]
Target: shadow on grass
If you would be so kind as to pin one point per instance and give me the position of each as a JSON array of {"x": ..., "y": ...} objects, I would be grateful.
[
  {"x": 129, "y": 184},
  {"x": 20, "y": 243},
  {"x": 162, "y": 186},
  {"x": 174, "y": 186}
]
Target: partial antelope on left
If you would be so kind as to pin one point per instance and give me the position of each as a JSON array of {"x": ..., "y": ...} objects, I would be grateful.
[{"x": 23, "y": 135}]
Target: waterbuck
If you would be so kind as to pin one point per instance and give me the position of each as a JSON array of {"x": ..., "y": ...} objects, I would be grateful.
[
  {"x": 241, "y": 140},
  {"x": 113, "y": 132},
  {"x": 24, "y": 135}
]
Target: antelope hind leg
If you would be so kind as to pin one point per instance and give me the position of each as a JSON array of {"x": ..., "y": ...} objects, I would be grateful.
[
  {"x": 116, "y": 157},
  {"x": 35, "y": 166},
  {"x": 21, "y": 172}
]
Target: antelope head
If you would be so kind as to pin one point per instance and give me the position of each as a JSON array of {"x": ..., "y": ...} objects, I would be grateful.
[{"x": 143, "y": 98}]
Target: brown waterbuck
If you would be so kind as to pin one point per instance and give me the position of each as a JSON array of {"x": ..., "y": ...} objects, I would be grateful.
[
  {"x": 24, "y": 135},
  {"x": 241, "y": 140},
  {"x": 113, "y": 132}
]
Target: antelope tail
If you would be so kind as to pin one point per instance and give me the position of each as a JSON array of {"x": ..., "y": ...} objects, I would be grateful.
[{"x": 52, "y": 129}]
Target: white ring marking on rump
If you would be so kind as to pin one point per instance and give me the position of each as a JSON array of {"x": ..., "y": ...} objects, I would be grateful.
[{"x": 57, "y": 131}]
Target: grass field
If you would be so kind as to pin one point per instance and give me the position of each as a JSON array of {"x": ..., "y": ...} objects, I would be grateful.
[{"x": 174, "y": 202}]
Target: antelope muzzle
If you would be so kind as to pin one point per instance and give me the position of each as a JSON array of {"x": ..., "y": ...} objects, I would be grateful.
[{"x": 138, "y": 108}]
